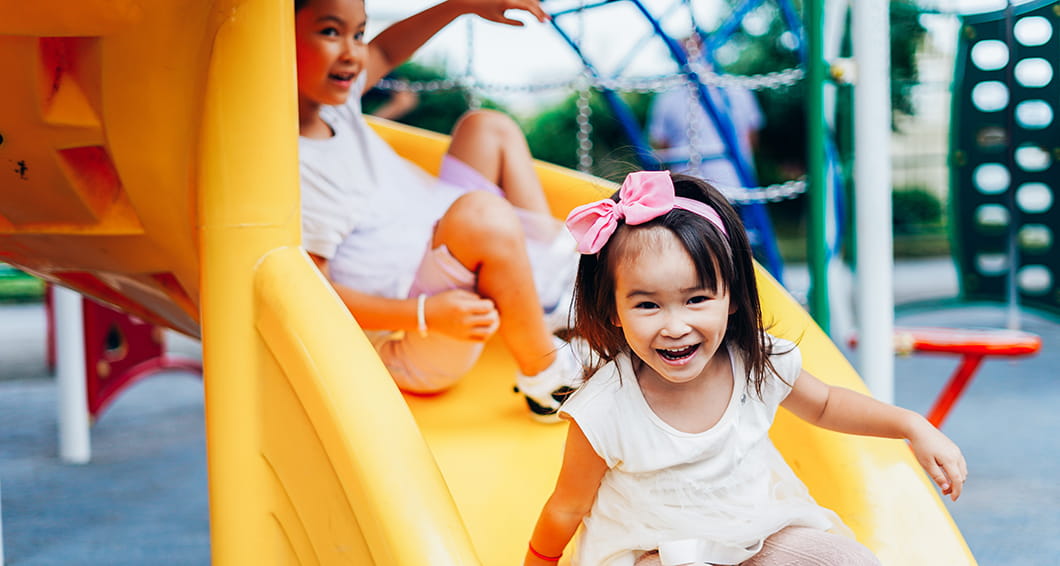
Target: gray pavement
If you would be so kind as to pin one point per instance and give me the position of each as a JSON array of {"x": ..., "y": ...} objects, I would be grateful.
[{"x": 142, "y": 499}]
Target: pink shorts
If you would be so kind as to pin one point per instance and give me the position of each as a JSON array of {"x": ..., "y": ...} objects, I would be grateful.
[{"x": 435, "y": 363}]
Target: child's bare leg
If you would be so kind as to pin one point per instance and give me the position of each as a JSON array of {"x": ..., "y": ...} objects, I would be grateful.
[
  {"x": 494, "y": 145},
  {"x": 483, "y": 232}
]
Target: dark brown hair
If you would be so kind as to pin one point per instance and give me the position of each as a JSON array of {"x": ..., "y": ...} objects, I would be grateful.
[{"x": 721, "y": 263}]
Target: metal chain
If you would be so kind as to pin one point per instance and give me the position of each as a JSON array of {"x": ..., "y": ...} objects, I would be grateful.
[
  {"x": 585, "y": 109},
  {"x": 585, "y": 128},
  {"x": 767, "y": 81},
  {"x": 772, "y": 193},
  {"x": 691, "y": 122},
  {"x": 473, "y": 94}
]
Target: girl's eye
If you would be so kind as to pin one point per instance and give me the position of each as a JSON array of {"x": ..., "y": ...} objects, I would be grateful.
[
  {"x": 330, "y": 32},
  {"x": 645, "y": 305},
  {"x": 698, "y": 299},
  {"x": 359, "y": 36}
]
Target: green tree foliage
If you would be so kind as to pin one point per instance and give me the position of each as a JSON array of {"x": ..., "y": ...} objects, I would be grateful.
[
  {"x": 553, "y": 135},
  {"x": 913, "y": 208},
  {"x": 437, "y": 111}
]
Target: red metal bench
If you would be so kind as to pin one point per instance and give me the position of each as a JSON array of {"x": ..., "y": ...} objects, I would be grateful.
[{"x": 973, "y": 345}]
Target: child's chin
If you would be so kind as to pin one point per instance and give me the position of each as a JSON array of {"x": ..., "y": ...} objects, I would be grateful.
[{"x": 337, "y": 99}]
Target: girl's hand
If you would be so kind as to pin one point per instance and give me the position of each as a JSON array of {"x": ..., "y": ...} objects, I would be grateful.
[
  {"x": 493, "y": 10},
  {"x": 940, "y": 457},
  {"x": 461, "y": 314}
]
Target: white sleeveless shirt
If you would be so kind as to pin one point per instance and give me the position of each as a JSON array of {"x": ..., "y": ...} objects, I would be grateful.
[{"x": 713, "y": 496}]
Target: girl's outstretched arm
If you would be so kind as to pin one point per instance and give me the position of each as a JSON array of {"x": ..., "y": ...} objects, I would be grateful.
[
  {"x": 843, "y": 410},
  {"x": 394, "y": 45},
  {"x": 571, "y": 500}
]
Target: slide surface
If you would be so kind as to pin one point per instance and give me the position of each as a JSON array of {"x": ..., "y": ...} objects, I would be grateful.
[{"x": 501, "y": 466}]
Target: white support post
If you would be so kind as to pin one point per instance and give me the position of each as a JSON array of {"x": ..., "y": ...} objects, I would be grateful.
[
  {"x": 1, "y": 524},
  {"x": 872, "y": 180},
  {"x": 74, "y": 441}
]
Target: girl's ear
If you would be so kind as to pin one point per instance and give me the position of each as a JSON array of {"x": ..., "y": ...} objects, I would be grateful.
[{"x": 733, "y": 307}]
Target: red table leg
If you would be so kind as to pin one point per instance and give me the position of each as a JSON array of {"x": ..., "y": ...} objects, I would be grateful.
[{"x": 953, "y": 389}]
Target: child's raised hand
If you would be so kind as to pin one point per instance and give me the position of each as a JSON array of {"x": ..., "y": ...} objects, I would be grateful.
[
  {"x": 461, "y": 314},
  {"x": 941, "y": 459},
  {"x": 493, "y": 10}
]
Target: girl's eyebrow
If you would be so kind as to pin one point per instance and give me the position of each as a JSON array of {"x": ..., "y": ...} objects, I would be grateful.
[
  {"x": 331, "y": 18},
  {"x": 689, "y": 290}
]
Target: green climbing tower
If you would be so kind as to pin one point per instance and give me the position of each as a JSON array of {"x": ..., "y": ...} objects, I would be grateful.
[{"x": 1005, "y": 145}]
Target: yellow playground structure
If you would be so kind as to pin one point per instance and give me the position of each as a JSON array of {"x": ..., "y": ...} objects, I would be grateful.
[{"x": 148, "y": 159}]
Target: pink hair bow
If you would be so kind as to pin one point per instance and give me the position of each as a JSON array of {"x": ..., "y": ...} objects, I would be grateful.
[{"x": 644, "y": 196}]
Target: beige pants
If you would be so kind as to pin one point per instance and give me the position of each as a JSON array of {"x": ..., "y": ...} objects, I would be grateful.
[{"x": 800, "y": 546}]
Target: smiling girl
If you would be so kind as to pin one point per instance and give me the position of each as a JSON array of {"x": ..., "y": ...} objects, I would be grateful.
[
  {"x": 431, "y": 268},
  {"x": 668, "y": 459}
]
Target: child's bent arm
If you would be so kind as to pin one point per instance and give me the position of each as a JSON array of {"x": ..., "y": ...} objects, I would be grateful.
[
  {"x": 843, "y": 410},
  {"x": 571, "y": 500},
  {"x": 394, "y": 45},
  {"x": 457, "y": 313}
]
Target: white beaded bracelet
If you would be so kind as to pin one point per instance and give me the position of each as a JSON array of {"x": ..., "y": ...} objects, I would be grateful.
[{"x": 421, "y": 316}]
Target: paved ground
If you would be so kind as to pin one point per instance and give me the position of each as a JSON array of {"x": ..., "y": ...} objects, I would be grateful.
[{"x": 142, "y": 499}]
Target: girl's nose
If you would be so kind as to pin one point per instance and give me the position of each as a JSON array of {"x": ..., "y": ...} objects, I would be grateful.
[
  {"x": 355, "y": 50},
  {"x": 675, "y": 326}
]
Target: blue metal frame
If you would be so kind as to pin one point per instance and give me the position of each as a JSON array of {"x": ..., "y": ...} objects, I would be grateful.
[{"x": 755, "y": 215}]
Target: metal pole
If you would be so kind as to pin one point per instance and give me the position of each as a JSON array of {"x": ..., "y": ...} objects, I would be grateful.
[
  {"x": 1012, "y": 295},
  {"x": 872, "y": 182},
  {"x": 1, "y": 525},
  {"x": 74, "y": 440},
  {"x": 817, "y": 244}
]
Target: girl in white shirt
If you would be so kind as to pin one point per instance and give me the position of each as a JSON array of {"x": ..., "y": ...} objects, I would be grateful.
[
  {"x": 430, "y": 267},
  {"x": 668, "y": 459}
]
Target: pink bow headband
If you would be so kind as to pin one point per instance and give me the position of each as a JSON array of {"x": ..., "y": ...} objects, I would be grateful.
[{"x": 644, "y": 196}]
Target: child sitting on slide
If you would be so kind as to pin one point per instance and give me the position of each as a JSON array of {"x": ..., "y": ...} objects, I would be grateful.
[
  {"x": 668, "y": 459},
  {"x": 431, "y": 268}
]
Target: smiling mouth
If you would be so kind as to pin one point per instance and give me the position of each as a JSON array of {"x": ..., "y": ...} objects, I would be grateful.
[
  {"x": 342, "y": 76},
  {"x": 677, "y": 354}
]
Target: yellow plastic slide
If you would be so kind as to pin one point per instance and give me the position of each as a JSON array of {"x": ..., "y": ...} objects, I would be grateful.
[{"x": 148, "y": 158}]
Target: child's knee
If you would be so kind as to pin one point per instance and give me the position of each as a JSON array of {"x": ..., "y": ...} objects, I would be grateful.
[
  {"x": 480, "y": 213},
  {"x": 487, "y": 121}
]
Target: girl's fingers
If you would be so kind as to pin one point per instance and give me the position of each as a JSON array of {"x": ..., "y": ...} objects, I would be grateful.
[
  {"x": 938, "y": 475},
  {"x": 534, "y": 7},
  {"x": 956, "y": 478},
  {"x": 486, "y": 307},
  {"x": 484, "y": 326}
]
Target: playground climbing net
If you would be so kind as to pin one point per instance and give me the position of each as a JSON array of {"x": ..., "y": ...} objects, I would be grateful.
[{"x": 692, "y": 73}]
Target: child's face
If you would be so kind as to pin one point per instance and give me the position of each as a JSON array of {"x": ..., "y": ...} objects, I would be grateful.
[
  {"x": 671, "y": 323},
  {"x": 330, "y": 49}
]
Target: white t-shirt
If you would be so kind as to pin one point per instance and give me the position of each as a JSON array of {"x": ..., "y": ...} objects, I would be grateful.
[
  {"x": 709, "y": 497},
  {"x": 354, "y": 183}
]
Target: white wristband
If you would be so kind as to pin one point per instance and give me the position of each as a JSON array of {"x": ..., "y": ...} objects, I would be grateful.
[{"x": 421, "y": 316}]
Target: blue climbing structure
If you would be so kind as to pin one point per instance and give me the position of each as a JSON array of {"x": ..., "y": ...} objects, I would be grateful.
[{"x": 752, "y": 210}]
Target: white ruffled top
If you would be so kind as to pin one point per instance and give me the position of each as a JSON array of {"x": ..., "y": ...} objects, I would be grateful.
[{"x": 712, "y": 496}]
